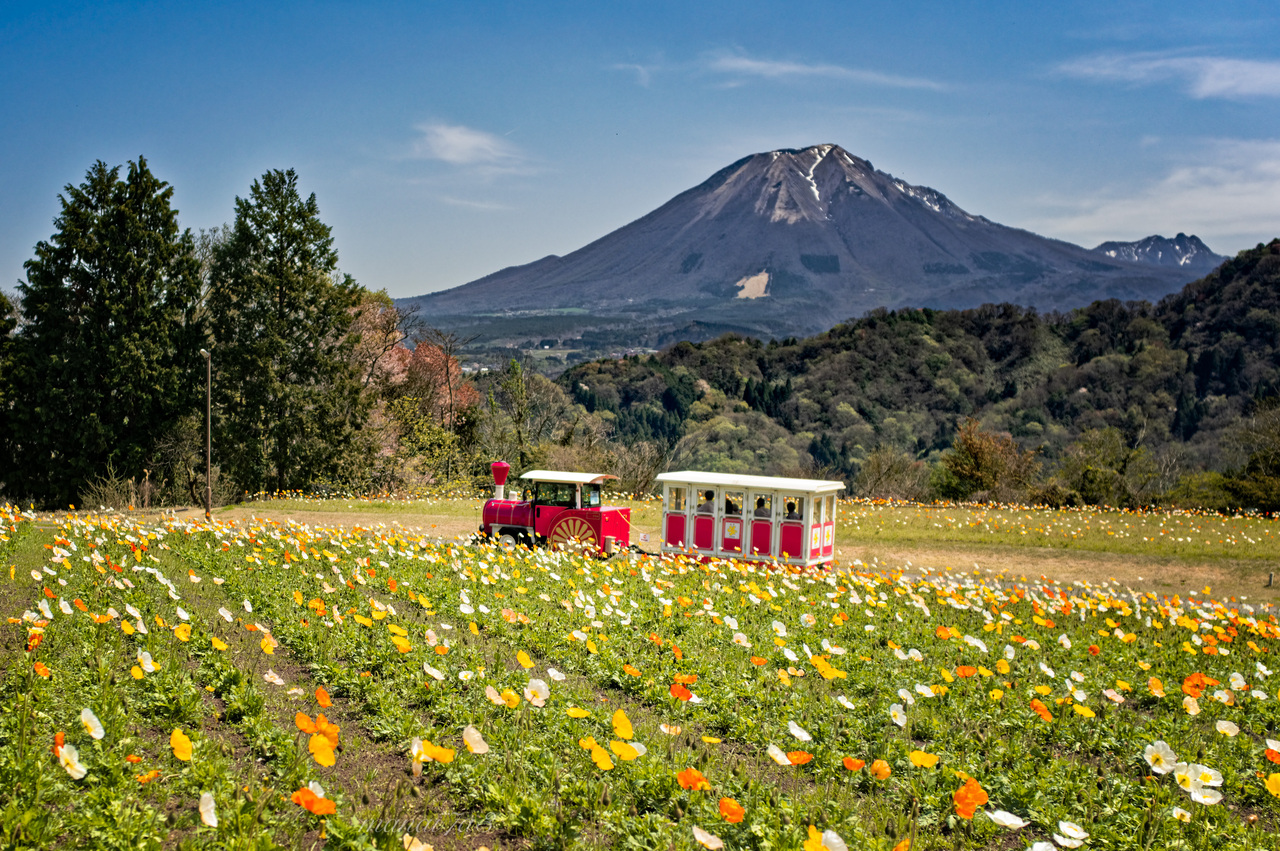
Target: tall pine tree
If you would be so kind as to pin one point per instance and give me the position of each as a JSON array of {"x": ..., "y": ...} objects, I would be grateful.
[
  {"x": 289, "y": 402},
  {"x": 106, "y": 360}
]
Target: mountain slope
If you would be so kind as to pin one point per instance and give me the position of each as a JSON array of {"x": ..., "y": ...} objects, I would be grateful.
[{"x": 801, "y": 239}]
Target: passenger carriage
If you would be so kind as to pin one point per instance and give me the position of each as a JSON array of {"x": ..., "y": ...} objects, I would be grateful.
[{"x": 757, "y": 518}]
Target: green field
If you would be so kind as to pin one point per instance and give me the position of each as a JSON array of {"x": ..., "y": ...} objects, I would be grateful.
[{"x": 682, "y": 705}]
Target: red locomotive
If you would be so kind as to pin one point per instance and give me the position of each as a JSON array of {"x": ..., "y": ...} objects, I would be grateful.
[{"x": 562, "y": 510}]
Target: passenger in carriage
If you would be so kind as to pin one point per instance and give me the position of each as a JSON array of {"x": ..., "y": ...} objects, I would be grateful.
[
  {"x": 730, "y": 507},
  {"x": 792, "y": 514},
  {"x": 762, "y": 510},
  {"x": 708, "y": 507}
]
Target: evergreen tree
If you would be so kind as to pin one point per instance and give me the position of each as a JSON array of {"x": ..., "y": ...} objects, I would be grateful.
[
  {"x": 105, "y": 362},
  {"x": 8, "y": 322},
  {"x": 289, "y": 402}
]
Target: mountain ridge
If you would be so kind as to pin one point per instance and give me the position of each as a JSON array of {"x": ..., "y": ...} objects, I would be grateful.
[{"x": 798, "y": 239}]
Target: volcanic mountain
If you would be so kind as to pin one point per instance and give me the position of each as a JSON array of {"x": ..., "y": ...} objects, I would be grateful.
[{"x": 795, "y": 241}]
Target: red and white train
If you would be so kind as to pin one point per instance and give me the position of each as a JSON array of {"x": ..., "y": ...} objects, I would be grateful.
[{"x": 707, "y": 515}]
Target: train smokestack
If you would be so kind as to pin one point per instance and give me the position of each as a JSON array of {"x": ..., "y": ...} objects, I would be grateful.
[{"x": 500, "y": 469}]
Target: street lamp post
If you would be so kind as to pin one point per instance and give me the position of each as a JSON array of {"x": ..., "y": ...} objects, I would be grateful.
[{"x": 208, "y": 434}]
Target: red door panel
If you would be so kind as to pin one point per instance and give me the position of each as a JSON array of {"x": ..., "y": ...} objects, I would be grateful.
[
  {"x": 675, "y": 530},
  {"x": 731, "y": 536},
  {"x": 792, "y": 542},
  {"x": 761, "y": 537},
  {"x": 704, "y": 532}
]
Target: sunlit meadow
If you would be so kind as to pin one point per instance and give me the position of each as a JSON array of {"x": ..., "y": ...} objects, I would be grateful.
[{"x": 257, "y": 684}]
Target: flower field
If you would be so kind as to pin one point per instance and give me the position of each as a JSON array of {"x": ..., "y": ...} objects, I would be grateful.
[{"x": 256, "y": 685}]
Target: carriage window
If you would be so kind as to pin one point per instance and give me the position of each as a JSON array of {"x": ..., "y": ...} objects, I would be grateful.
[
  {"x": 831, "y": 508},
  {"x": 590, "y": 495},
  {"x": 763, "y": 506},
  {"x": 794, "y": 508},
  {"x": 560, "y": 494},
  {"x": 675, "y": 499},
  {"x": 733, "y": 503},
  {"x": 708, "y": 504}
]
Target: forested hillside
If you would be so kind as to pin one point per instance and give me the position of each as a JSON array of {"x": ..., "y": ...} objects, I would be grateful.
[{"x": 1163, "y": 388}]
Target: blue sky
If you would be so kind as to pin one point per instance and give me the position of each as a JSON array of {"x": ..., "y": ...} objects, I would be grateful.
[{"x": 445, "y": 141}]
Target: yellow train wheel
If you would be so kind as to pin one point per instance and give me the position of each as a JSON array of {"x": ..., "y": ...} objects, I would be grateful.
[{"x": 573, "y": 533}]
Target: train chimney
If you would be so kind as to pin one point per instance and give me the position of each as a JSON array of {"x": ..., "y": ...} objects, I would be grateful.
[{"x": 500, "y": 470}]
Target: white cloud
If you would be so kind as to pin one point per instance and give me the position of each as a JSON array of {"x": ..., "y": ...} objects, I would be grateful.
[
  {"x": 644, "y": 73},
  {"x": 466, "y": 146},
  {"x": 1228, "y": 194},
  {"x": 771, "y": 69},
  {"x": 1203, "y": 76},
  {"x": 471, "y": 204}
]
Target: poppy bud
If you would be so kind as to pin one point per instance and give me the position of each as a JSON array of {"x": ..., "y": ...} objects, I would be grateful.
[{"x": 415, "y": 792}]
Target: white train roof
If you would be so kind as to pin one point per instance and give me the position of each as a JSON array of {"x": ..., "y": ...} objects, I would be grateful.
[
  {"x": 759, "y": 483},
  {"x": 561, "y": 477}
]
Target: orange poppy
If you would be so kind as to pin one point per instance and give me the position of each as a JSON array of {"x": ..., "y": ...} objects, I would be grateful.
[
  {"x": 966, "y": 671},
  {"x": 799, "y": 757},
  {"x": 692, "y": 779},
  {"x": 1195, "y": 684},
  {"x": 680, "y": 692},
  {"x": 757, "y": 661},
  {"x": 631, "y": 671},
  {"x": 42, "y": 669},
  {"x": 327, "y": 729},
  {"x": 880, "y": 770},
  {"x": 968, "y": 798},
  {"x": 1272, "y": 756},
  {"x": 853, "y": 764},
  {"x": 148, "y": 777},
  {"x": 313, "y": 803},
  {"x": 686, "y": 679},
  {"x": 677, "y": 652},
  {"x": 322, "y": 697},
  {"x": 1041, "y": 710},
  {"x": 731, "y": 810}
]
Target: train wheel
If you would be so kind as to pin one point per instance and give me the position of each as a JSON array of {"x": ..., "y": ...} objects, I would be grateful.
[
  {"x": 573, "y": 534},
  {"x": 507, "y": 541}
]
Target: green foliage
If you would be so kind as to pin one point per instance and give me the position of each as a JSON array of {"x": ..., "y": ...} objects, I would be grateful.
[
  {"x": 107, "y": 358},
  {"x": 1104, "y": 470},
  {"x": 986, "y": 464},
  {"x": 1257, "y": 484},
  {"x": 289, "y": 401}
]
